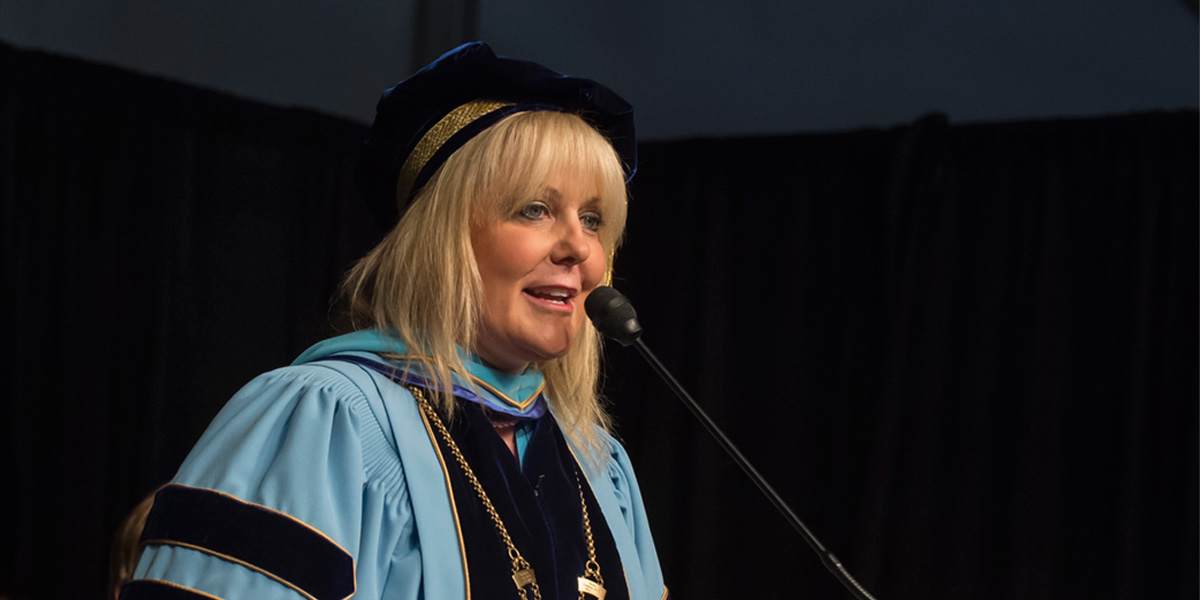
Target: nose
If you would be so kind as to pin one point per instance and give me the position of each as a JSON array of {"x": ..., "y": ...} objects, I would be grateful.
[{"x": 572, "y": 246}]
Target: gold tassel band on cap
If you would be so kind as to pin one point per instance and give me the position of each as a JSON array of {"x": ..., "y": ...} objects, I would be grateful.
[{"x": 436, "y": 137}]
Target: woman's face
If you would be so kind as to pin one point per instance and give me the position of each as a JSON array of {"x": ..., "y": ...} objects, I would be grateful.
[{"x": 538, "y": 265}]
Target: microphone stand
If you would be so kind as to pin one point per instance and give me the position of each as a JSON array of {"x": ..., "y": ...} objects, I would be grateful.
[{"x": 831, "y": 562}]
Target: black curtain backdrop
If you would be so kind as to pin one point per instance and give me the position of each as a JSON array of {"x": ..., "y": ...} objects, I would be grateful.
[{"x": 966, "y": 354}]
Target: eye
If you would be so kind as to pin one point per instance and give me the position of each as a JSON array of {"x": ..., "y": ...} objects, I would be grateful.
[
  {"x": 592, "y": 221},
  {"x": 534, "y": 211}
]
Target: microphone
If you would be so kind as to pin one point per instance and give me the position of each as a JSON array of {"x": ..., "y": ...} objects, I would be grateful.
[{"x": 614, "y": 317}]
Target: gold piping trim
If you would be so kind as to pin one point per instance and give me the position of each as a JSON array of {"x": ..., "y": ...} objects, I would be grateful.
[
  {"x": 240, "y": 562},
  {"x": 268, "y": 509},
  {"x": 353, "y": 563},
  {"x": 521, "y": 405},
  {"x": 462, "y": 546},
  {"x": 489, "y": 387},
  {"x": 436, "y": 137},
  {"x": 666, "y": 593},
  {"x": 182, "y": 587},
  {"x": 578, "y": 465}
]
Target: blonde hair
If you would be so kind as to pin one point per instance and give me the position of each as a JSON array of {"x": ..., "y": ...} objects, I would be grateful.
[
  {"x": 422, "y": 284},
  {"x": 126, "y": 547}
]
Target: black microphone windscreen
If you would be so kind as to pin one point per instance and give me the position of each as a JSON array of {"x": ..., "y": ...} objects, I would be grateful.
[{"x": 613, "y": 315}]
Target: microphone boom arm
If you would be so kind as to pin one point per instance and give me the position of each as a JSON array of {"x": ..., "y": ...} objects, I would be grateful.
[{"x": 831, "y": 562}]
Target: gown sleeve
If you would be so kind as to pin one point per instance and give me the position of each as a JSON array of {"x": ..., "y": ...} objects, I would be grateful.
[
  {"x": 636, "y": 534},
  {"x": 293, "y": 492}
]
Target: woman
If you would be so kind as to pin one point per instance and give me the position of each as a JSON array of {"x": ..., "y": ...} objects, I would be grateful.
[{"x": 453, "y": 446}]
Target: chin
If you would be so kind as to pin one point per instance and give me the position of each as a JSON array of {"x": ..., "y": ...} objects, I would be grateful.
[
  {"x": 547, "y": 355},
  {"x": 548, "y": 352}
]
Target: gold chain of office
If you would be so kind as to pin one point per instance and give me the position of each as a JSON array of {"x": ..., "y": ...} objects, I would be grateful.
[{"x": 590, "y": 584}]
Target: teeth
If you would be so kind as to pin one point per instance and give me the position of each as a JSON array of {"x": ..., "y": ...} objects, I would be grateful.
[{"x": 556, "y": 296}]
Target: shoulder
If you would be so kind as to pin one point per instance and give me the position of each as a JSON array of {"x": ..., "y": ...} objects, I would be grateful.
[
  {"x": 323, "y": 389},
  {"x": 323, "y": 380},
  {"x": 293, "y": 418},
  {"x": 616, "y": 450}
]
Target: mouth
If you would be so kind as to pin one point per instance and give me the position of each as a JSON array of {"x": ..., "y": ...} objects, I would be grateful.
[{"x": 558, "y": 298}]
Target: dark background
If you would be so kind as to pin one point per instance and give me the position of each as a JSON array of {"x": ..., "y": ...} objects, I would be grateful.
[
  {"x": 691, "y": 67},
  {"x": 965, "y": 353}
]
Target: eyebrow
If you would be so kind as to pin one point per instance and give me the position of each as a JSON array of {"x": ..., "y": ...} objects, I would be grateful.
[{"x": 552, "y": 194}]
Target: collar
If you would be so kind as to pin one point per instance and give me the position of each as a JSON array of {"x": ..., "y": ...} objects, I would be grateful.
[{"x": 519, "y": 395}]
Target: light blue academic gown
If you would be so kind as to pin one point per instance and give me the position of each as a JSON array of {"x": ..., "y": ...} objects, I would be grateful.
[{"x": 342, "y": 450}]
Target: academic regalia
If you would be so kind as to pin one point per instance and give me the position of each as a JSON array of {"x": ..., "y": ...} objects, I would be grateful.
[{"x": 323, "y": 480}]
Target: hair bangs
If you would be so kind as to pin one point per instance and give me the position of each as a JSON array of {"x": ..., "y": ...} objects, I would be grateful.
[{"x": 525, "y": 148}]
